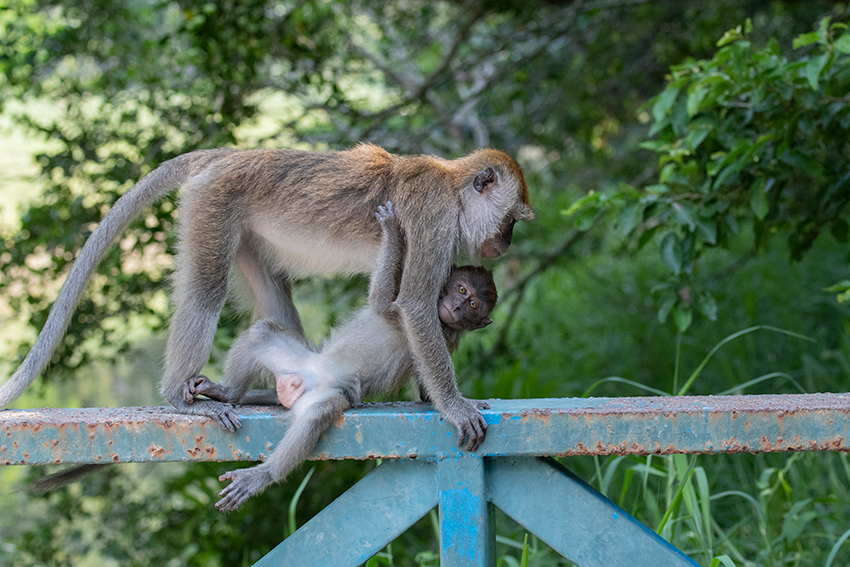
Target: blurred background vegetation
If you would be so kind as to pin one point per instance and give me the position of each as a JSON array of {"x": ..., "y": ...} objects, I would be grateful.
[{"x": 687, "y": 163}]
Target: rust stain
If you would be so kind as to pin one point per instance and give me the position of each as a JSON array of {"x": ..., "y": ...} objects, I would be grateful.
[
  {"x": 156, "y": 451},
  {"x": 194, "y": 452},
  {"x": 199, "y": 439},
  {"x": 210, "y": 451},
  {"x": 116, "y": 458}
]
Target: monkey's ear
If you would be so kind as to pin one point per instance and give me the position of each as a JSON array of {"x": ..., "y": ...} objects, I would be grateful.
[{"x": 484, "y": 180}]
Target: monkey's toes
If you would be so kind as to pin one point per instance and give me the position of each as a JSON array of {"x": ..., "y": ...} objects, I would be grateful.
[
  {"x": 193, "y": 387},
  {"x": 228, "y": 419}
]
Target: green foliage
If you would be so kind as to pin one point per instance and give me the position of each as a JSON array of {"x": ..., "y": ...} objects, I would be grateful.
[
  {"x": 118, "y": 87},
  {"x": 751, "y": 140}
]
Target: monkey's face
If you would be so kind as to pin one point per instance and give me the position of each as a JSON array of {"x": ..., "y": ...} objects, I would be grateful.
[
  {"x": 493, "y": 202},
  {"x": 497, "y": 245},
  {"x": 461, "y": 308}
]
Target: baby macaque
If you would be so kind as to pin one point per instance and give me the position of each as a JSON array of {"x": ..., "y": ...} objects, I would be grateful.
[{"x": 368, "y": 355}]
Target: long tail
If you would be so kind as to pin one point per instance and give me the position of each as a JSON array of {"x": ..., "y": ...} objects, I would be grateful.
[{"x": 157, "y": 183}]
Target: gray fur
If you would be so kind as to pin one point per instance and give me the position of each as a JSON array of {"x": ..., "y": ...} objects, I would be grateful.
[{"x": 368, "y": 355}]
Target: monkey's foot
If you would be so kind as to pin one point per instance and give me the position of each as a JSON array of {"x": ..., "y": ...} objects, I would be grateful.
[
  {"x": 244, "y": 484},
  {"x": 290, "y": 387},
  {"x": 193, "y": 387},
  {"x": 202, "y": 386},
  {"x": 481, "y": 404},
  {"x": 385, "y": 212},
  {"x": 222, "y": 412}
]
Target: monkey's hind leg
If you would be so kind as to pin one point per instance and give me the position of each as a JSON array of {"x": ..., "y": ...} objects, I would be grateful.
[
  {"x": 200, "y": 288},
  {"x": 313, "y": 414},
  {"x": 270, "y": 289}
]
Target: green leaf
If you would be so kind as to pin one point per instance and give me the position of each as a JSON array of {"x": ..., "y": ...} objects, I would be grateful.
[
  {"x": 758, "y": 199},
  {"x": 654, "y": 145},
  {"x": 586, "y": 218},
  {"x": 729, "y": 37},
  {"x": 671, "y": 252},
  {"x": 664, "y": 102},
  {"x": 629, "y": 216},
  {"x": 805, "y": 39},
  {"x": 666, "y": 171},
  {"x": 696, "y": 137},
  {"x": 842, "y": 44},
  {"x": 705, "y": 303},
  {"x": 666, "y": 308},
  {"x": 695, "y": 98},
  {"x": 684, "y": 215},
  {"x": 807, "y": 165},
  {"x": 724, "y": 559},
  {"x": 683, "y": 317},
  {"x": 796, "y": 520},
  {"x": 814, "y": 68},
  {"x": 659, "y": 188},
  {"x": 707, "y": 229},
  {"x": 843, "y": 285},
  {"x": 591, "y": 198}
]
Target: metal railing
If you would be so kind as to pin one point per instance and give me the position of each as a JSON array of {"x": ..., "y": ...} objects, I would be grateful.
[{"x": 426, "y": 469}]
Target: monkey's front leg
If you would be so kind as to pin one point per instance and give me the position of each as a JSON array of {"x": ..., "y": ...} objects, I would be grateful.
[{"x": 423, "y": 395}]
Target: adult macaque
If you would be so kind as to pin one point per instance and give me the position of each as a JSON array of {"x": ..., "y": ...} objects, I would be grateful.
[
  {"x": 283, "y": 214},
  {"x": 368, "y": 355}
]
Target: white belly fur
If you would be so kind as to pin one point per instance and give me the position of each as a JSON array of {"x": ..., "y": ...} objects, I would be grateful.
[{"x": 316, "y": 253}]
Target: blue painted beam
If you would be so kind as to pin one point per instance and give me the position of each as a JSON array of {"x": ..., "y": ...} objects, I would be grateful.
[
  {"x": 536, "y": 427},
  {"x": 574, "y": 519},
  {"x": 362, "y": 521},
  {"x": 467, "y": 538}
]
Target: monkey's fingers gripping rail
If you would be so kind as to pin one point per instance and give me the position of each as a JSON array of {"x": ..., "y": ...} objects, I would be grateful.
[{"x": 426, "y": 469}]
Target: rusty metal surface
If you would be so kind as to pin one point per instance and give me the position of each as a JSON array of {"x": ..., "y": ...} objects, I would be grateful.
[{"x": 569, "y": 426}]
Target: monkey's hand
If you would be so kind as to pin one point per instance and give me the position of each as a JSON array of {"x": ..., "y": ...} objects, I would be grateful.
[
  {"x": 385, "y": 212},
  {"x": 466, "y": 416},
  {"x": 244, "y": 484}
]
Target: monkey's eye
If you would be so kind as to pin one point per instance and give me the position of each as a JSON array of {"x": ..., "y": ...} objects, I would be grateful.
[
  {"x": 473, "y": 304},
  {"x": 461, "y": 288}
]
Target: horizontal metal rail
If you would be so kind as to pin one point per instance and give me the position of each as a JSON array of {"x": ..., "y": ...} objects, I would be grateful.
[
  {"x": 535, "y": 427},
  {"x": 427, "y": 469}
]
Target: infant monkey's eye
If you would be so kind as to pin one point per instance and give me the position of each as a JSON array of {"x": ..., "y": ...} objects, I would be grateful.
[
  {"x": 461, "y": 289},
  {"x": 473, "y": 304}
]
